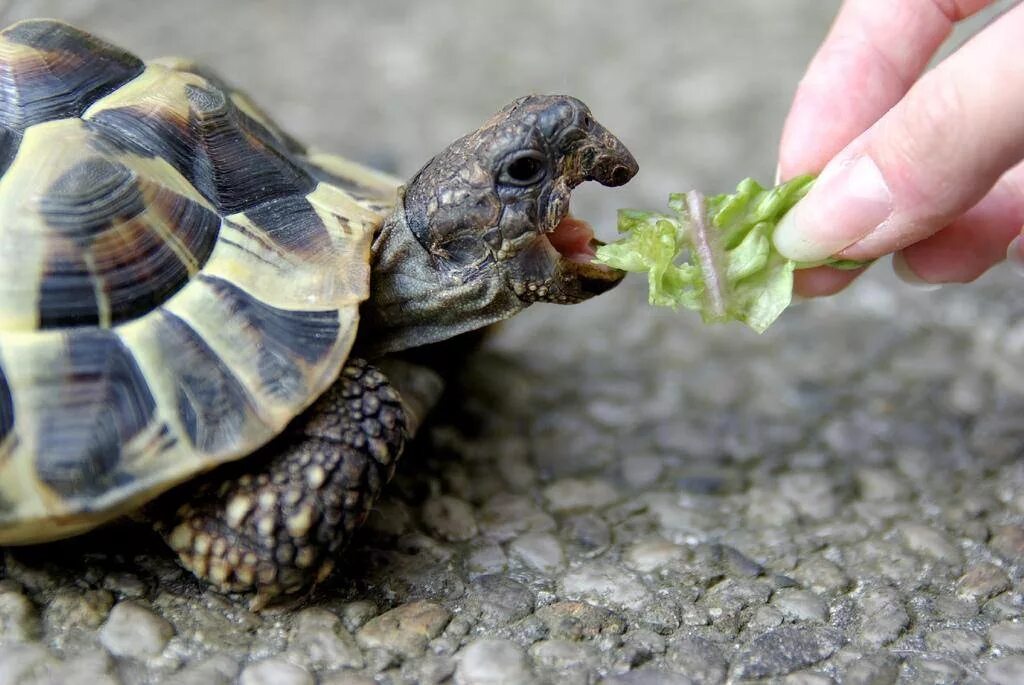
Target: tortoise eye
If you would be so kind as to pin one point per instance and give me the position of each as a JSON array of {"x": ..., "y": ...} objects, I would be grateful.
[{"x": 526, "y": 168}]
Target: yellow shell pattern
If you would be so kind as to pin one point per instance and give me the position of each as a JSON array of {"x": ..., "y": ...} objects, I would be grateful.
[{"x": 178, "y": 277}]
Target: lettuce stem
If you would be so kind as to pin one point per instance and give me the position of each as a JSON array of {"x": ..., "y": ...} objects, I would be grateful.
[{"x": 706, "y": 255}]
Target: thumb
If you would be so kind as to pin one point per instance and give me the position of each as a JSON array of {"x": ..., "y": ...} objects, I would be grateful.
[{"x": 928, "y": 160}]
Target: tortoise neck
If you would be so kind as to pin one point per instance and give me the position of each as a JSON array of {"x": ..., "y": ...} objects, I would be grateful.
[{"x": 417, "y": 299}]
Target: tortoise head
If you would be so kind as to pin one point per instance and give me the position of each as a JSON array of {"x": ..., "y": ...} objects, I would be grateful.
[{"x": 483, "y": 229}]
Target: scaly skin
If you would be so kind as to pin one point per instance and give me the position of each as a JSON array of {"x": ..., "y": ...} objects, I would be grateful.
[{"x": 274, "y": 522}]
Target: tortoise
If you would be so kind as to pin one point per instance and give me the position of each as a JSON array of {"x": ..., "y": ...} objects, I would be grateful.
[{"x": 189, "y": 294}]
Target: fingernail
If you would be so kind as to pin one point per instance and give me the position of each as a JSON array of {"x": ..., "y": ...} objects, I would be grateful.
[
  {"x": 907, "y": 275},
  {"x": 848, "y": 201},
  {"x": 1015, "y": 256}
]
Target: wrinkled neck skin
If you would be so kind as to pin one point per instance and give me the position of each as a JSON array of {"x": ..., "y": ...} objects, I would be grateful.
[{"x": 415, "y": 299}]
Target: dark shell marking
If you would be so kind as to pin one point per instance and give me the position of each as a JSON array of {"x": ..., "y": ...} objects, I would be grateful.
[
  {"x": 48, "y": 72},
  {"x": 122, "y": 244},
  {"x": 178, "y": 280},
  {"x": 291, "y": 223},
  {"x": 213, "y": 406},
  {"x": 85, "y": 430},
  {"x": 215, "y": 146},
  {"x": 6, "y": 408}
]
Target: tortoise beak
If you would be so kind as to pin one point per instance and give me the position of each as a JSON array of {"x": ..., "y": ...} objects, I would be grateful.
[{"x": 606, "y": 160}]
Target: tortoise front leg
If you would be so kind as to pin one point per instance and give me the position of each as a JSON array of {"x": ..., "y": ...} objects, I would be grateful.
[{"x": 273, "y": 522}]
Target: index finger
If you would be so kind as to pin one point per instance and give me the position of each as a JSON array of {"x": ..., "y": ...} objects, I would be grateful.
[{"x": 872, "y": 55}]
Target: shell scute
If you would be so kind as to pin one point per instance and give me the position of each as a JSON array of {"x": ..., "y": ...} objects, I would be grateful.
[
  {"x": 85, "y": 428},
  {"x": 178, "y": 116},
  {"x": 103, "y": 236},
  {"x": 213, "y": 406},
  {"x": 292, "y": 224},
  {"x": 49, "y": 70}
]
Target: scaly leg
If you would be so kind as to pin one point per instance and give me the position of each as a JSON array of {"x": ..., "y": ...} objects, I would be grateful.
[{"x": 273, "y": 522}]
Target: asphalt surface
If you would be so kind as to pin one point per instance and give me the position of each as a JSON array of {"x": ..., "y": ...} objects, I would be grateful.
[{"x": 613, "y": 494}]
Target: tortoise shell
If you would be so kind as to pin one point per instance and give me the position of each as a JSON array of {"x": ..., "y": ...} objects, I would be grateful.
[{"x": 178, "y": 277}]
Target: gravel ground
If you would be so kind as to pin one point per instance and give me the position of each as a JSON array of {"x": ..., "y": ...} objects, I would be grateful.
[{"x": 613, "y": 494}]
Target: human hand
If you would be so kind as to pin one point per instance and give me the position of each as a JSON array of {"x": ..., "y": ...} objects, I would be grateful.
[{"x": 928, "y": 167}]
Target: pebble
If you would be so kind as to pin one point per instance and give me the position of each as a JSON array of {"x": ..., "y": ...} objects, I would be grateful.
[
  {"x": 930, "y": 542},
  {"x": 1008, "y": 542},
  {"x": 678, "y": 520},
  {"x": 215, "y": 670},
  {"x": 786, "y": 649},
  {"x": 883, "y": 616},
  {"x": 821, "y": 575},
  {"x": 95, "y": 668},
  {"x": 729, "y": 597},
  {"x": 450, "y": 518},
  {"x": 700, "y": 659},
  {"x": 507, "y": 516},
  {"x": 18, "y": 662},
  {"x": 874, "y": 669},
  {"x": 487, "y": 558},
  {"x": 493, "y": 661},
  {"x": 406, "y": 629},
  {"x": 982, "y": 581},
  {"x": 935, "y": 671},
  {"x": 354, "y": 615},
  {"x": 19, "y": 620},
  {"x": 588, "y": 535},
  {"x": 75, "y": 609},
  {"x": 132, "y": 630},
  {"x": 737, "y": 563},
  {"x": 562, "y": 654},
  {"x": 645, "y": 643},
  {"x": 1007, "y": 635},
  {"x": 800, "y": 605},
  {"x": 347, "y": 678},
  {"x": 275, "y": 672},
  {"x": 766, "y": 508},
  {"x": 649, "y": 554},
  {"x": 963, "y": 644},
  {"x": 642, "y": 470},
  {"x": 575, "y": 494},
  {"x": 601, "y": 583},
  {"x": 432, "y": 669},
  {"x": 576, "y": 620},
  {"x": 660, "y": 616},
  {"x": 812, "y": 493},
  {"x": 540, "y": 551},
  {"x": 765, "y": 618},
  {"x": 648, "y": 676},
  {"x": 125, "y": 585},
  {"x": 880, "y": 485},
  {"x": 1008, "y": 670},
  {"x": 319, "y": 642},
  {"x": 501, "y": 600},
  {"x": 389, "y": 518}
]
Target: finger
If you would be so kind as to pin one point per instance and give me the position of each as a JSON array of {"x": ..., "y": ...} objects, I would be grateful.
[
  {"x": 822, "y": 280},
  {"x": 928, "y": 160},
  {"x": 972, "y": 243},
  {"x": 872, "y": 55}
]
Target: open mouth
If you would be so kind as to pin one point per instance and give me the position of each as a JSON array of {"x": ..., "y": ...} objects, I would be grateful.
[
  {"x": 574, "y": 239},
  {"x": 580, "y": 276}
]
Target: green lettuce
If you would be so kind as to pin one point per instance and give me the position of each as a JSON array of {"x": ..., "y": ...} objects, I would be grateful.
[{"x": 715, "y": 254}]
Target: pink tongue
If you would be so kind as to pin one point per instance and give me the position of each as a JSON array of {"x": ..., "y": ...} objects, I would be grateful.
[{"x": 571, "y": 238}]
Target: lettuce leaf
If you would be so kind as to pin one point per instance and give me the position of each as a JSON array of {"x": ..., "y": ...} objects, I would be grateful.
[{"x": 715, "y": 254}]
